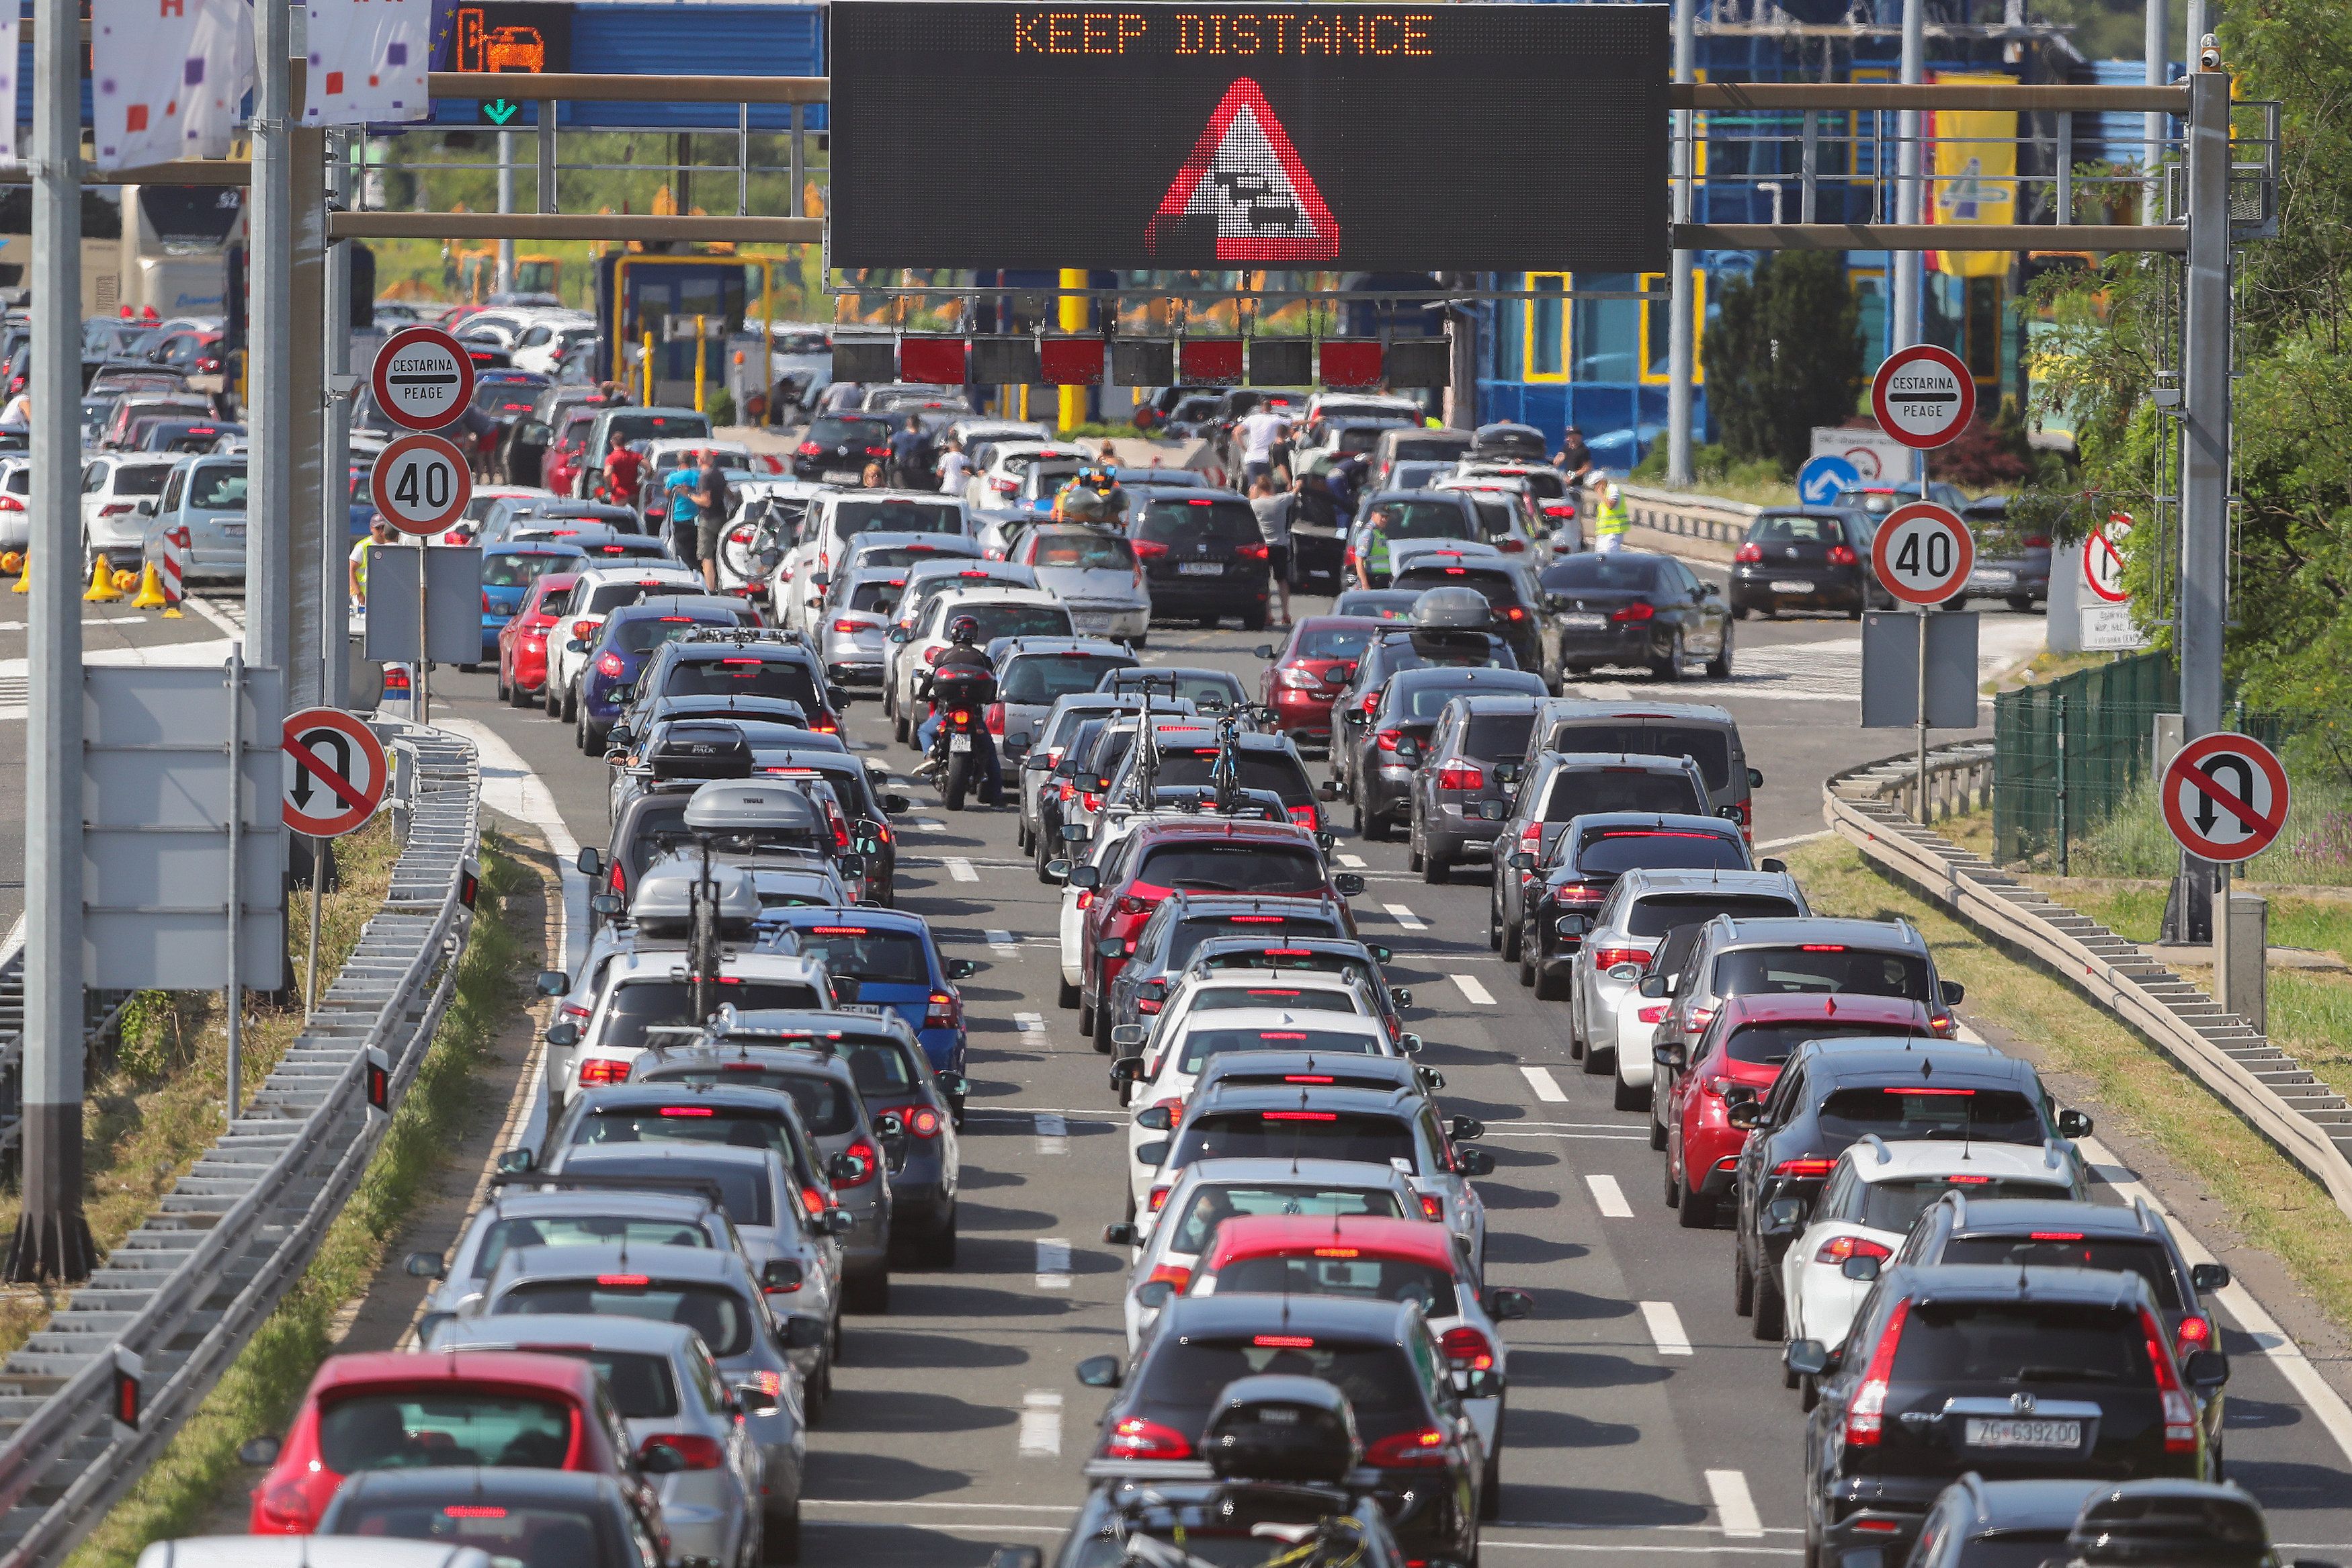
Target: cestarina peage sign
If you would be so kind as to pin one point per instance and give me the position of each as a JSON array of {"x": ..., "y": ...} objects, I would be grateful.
[{"x": 1176, "y": 137}]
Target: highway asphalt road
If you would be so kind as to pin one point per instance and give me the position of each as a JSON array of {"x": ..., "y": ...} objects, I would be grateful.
[{"x": 1644, "y": 1420}]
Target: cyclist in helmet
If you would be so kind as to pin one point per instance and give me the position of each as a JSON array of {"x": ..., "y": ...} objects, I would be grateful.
[{"x": 963, "y": 676}]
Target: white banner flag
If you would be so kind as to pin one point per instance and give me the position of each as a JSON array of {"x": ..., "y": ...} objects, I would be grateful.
[
  {"x": 367, "y": 61},
  {"x": 169, "y": 78}
]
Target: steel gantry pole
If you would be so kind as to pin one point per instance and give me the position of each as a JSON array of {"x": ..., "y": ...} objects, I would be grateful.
[
  {"x": 334, "y": 514},
  {"x": 2156, "y": 41},
  {"x": 268, "y": 537},
  {"x": 1910, "y": 126},
  {"x": 1680, "y": 372},
  {"x": 53, "y": 1241}
]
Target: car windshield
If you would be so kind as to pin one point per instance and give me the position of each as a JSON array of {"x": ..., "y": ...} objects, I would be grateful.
[
  {"x": 1425, "y": 520},
  {"x": 1893, "y": 1205},
  {"x": 640, "y": 1381},
  {"x": 743, "y": 1190},
  {"x": 582, "y": 1231},
  {"x": 1202, "y": 1042},
  {"x": 1342, "y": 1271},
  {"x": 218, "y": 487},
  {"x": 643, "y": 634},
  {"x": 877, "y": 954},
  {"x": 640, "y": 1003},
  {"x": 1213, "y": 1204},
  {"x": 1659, "y": 912},
  {"x": 1830, "y": 967},
  {"x": 1275, "y": 771},
  {"x": 1804, "y": 530},
  {"x": 1332, "y": 642},
  {"x": 1240, "y": 866},
  {"x": 1625, "y": 849},
  {"x": 1427, "y": 699},
  {"x": 746, "y": 675},
  {"x": 1602, "y": 574},
  {"x": 1082, "y": 551},
  {"x": 448, "y": 1426},
  {"x": 1928, "y": 1110},
  {"x": 1039, "y": 678},
  {"x": 508, "y": 568},
  {"x": 2021, "y": 1343},
  {"x": 718, "y": 1314},
  {"x": 1709, "y": 747},
  {"x": 512, "y": 1534},
  {"x": 1182, "y": 521},
  {"x": 1186, "y": 1373},
  {"x": 1373, "y": 1137},
  {"x": 2057, "y": 1249},
  {"x": 1771, "y": 1044}
]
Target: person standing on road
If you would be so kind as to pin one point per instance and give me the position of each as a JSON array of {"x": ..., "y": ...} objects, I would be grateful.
[
  {"x": 1258, "y": 431},
  {"x": 677, "y": 497},
  {"x": 910, "y": 456},
  {"x": 711, "y": 503},
  {"x": 954, "y": 467},
  {"x": 1574, "y": 458},
  {"x": 1274, "y": 509},
  {"x": 1609, "y": 519},
  {"x": 622, "y": 469},
  {"x": 379, "y": 533}
]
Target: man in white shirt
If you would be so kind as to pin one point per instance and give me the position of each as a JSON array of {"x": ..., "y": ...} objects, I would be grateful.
[
  {"x": 1259, "y": 431},
  {"x": 955, "y": 467}
]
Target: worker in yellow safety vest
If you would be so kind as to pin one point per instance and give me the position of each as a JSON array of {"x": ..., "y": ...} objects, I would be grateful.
[{"x": 1605, "y": 504}]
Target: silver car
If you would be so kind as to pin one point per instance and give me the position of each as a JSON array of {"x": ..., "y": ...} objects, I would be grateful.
[
  {"x": 849, "y": 626},
  {"x": 1035, "y": 673},
  {"x": 1096, "y": 574},
  {"x": 207, "y": 496},
  {"x": 679, "y": 1412},
  {"x": 714, "y": 1294}
]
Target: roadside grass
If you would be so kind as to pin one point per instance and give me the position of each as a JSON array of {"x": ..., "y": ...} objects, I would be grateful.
[
  {"x": 2265, "y": 1199},
  {"x": 158, "y": 1104},
  {"x": 262, "y": 1385}
]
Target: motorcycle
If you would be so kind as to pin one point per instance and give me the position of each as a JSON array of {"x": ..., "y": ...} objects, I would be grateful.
[{"x": 955, "y": 758}]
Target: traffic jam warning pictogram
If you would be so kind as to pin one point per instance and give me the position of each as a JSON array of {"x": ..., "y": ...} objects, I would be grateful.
[
  {"x": 421, "y": 484},
  {"x": 2225, "y": 797},
  {"x": 2102, "y": 561},
  {"x": 423, "y": 378},
  {"x": 1923, "y": 553},
  {"x": 1244, "y": 189},
  {"x": 1924, "y": 396},
  {"x": 336, "y": 775}
]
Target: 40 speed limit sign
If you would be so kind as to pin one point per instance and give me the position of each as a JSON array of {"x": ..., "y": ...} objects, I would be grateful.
[
  {"x": 1923, "y": 553},
  {"x": 421, "y": 484}
]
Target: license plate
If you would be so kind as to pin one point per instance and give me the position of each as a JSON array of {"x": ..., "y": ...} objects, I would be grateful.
[
  {"x": 1792, "y": 586},
  {"x": 1200, "y": 569},
  {"x": 2006, "y": 1434},
  {"x": 1583, "y": 623},
  {"x": 1994, "y": 577},
  {"x": 842, "y": 476},
  {"x": 231, "y": 531},
  {"x": 959, "y": 743}
]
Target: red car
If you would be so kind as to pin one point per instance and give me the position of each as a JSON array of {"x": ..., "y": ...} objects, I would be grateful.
[
  {"x": 1308, "y": 676},
  {"x": 1742, "y": 1049},
  {"x": 1212, "y": 855},
  {"x": 522, "y": 642},
  {"x": 559, "y": 466},
  {"x": 390, "y": 1410}
]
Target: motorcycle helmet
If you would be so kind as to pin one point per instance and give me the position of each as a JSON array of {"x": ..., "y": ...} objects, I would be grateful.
[
  {"x": 964, "y": 631},
  {"x": 1082, "y": 505}
]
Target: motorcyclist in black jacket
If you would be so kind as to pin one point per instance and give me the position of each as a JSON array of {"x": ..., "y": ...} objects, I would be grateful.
[{"x": 963, "y": 676}]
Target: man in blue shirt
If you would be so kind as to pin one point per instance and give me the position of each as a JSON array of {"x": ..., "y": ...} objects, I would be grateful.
[{"x": 678, "y": 488}]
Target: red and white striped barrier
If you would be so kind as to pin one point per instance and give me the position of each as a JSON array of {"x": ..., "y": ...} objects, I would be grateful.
[{"x": 177, "y": 545}]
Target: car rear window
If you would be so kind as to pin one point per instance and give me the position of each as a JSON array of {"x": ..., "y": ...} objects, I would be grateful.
[
  {"x": 1684, "y": 849},
  {"x": 582, "y": 1231},
  {"x": 1083, "y": 551},
  {"x": 1211, "y": 1205},
  {"x": 1709, "y": 747},
  {"x": 1333, "y": 643},
  {"x": 1771, "y": 1044},
  {"x": 854, "y": 432},
  {"x": 1170, "y": 522},
  {"x": 1825, "y": 967},
  {"x": 896, "y": 555},
  {"x": 1425, "y": 520},
  {"x": 1186, "y": 939},
  {"x": 1377, "y": 1380},
  {"x": 744, "y": 676},
  {"x": 1017, "y": 621},
  {"x": 1202, "y": 1042},
  {"x": 2021, "y": 1344},
  {"x": 1299, "y": 1134},
  {"x": 219, "y": 487},
  {"x": 1276, "y": 770},
  {"x": 1039, "y": 678},
  {"x": 1342, "y": 1271},
  {"x": 640, "y": 1003},
  {"x": 1602, "y": 574},
  {"x": 2058, "y": 1248},
  {"x": 1211, "y": 691},
  {"x": 898, "y": 514},
  {"x": 877, "y": 1066},
  {"x": 1925, "y": 1110},
  {"x": 624, "y": 428},
  {"x": 1893, "y": 1205},
  {"x": 877, "y": 595},
  {"x": 449, "y": 1426},
  {"x": 639, "y": 1382},
  {"x": 1298, "y": 999},
  {"x": 604, "y": 598},
  {"x": 1660, "y": 913},
  {"x": 720, "y": 1315},
  {"x": 1798, "y": 530},
  {"x": 644, "y": 633},
  {"x": 885, "y": 956},
  {"x": 1497, "y": 736},
  {"x": 1240, "y": 866},
  {"x": 505, "y": 569},
  {"x": 523, "y": 1535},
  {"x": 1496, "y": 513},
  {"x": 1425, "y": 450}
]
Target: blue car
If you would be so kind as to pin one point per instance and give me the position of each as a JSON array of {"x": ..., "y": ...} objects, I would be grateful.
[
  {"x": 625, "y": 641},
  {"x": 507, "y": 572},
  {"x": 897, "y": 965}
]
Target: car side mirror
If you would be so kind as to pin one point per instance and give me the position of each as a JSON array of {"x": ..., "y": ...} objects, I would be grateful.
[
  {"x": 1126, "y": 1070},
  {"x": 1408, "y": 751},
  {"x": 848, "y": 987},
  {"x": 1155, "y": 1294},
  {"x": 1120, "y": 1233},
  {"x": 1773, "y": 862},
  {"x": 1032, "y": 1557},
  {"x": 1411, "y": 1043},
  {"x": 1327, "y": 790},
  {"x": 260, "y": 1453},
  {"x": 1154, "y": 1118},
  {"x": 2207, "y": 1370},
  {"x": 896, "y": 804},
  {"x": 1349, "y": 884},
  {"x": 1100, "y": 1372},
  {"x": 1746, "y": 1116},
  {"x": 1404, "y": 994},
  {"x": 1858, "y": 1267},
  {"x": 620, "y": 737},
  {"x": 1506, "y": 772},
  {"x": 1085, "y": 876},
  {"x": 2207, "y": 1277},
  {"x": 562, "y": 1034},
  {"x": 802, "y": 1333},
  {"x": 1952, "y": 991},
  {"x": 1505, "y": 1303},
  {"x": 1572, "y": 925},
  {"x": 514, "y": 1162},
  {"x": 577, "y": 645},
  {"x": 843, "y": 1169},
  {"x": 1807, "y": 1357},
  {"x": 1783, "y": 1215},
  {"x": 608, "y": 904},
  {"x": 553, "y": 982},
  {"x": 1130, "y": 1034},
  {"x": 1076, "y": 833},
  {"x": 954, "y": 1085},
  {"x": 899, "y": 635},
  {"x": 781, "y": 1274},
  {"x": 1110, "y": 948},
  {"x": 1522, "y": 860},
  {"x": 589, "y": 863},
  {"x": 1754, "y": 779},
  {"x": 1475, "y": 1162},
  {"x": 1057, "y": 870},
  {"x": 961, "y": 968},
  {"x": 1016, "y": 746},
  {"x": 754, "y": 1399},
  {"x": 1493, "y": 810},
  {"x": 1263, "y": 651},
  {"x": 425, "y": 1266},
  {"x": 1652, "y": 986},
  {"x": 2074, "y": 1124},
  {"x": 1672, "y": 1057},
  {"x": 1462, "y": 1129},
  {"x": 655, "y": 1457},
  {"x": 839, "y": 1222}
]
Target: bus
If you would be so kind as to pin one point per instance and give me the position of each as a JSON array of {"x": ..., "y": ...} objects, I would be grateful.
[{"x": 173, "y": 259}]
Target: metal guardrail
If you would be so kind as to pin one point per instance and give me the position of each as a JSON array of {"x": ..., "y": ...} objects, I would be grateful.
[
  {"x": 186, "y": 1289},
  {"x": 2270, "y": 1090},
  {"x": 1693, "y": 516}
]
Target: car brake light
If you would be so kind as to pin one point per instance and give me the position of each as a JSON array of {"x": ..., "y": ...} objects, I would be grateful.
[
  {"x": 695, "y": 1451},
  {"x": 1468, "y": 1350},
  {"x": 685, "y": 1111},
  {"x": 812, "y": 1201},
  {"x": 1387, "y": 739},
  {"x": 603, "y": 1070},
  {"x": 2195, "y": 1334},
  {"x": 1749, "y": 553},
  {"x": 1577, "y": 893},
  {"x": 994, "y": 718},
  {"x": 1700, "y": 1018},
  {"x": 1372, "y": 700},
  {"x": 862, "y": 1154},
  {"x": 623, "y": 1281},
  {"x": 1422, "y": 1449},
  {"x": 611, "y": 666},
  {"x": 1654, "y": 1015},
  {"x": 1842, "y": 554},
  {"x": 2037, "y": 541},
  {"x": 284, "y": 1505},
  {"x": 1158, "y": 1196},
  {"x": 1137, "y": 1438},
  {"x": 1610, "y": 957},
  {"x": 1307, "y": 817},
  {"x": 845, "y": 626},
  {"x": 917, "y": 1117},
  {"x": 1866, "y": 1418},
  {"x": 1642, "y": 611},
  {"x": 2179, "y": 1414},
  {"x": 1432, "y": 1206},
  {"x": 1838, "y": 1249},
  {"x": 396, "y": 679},
  {"x": 946, "y": 1011},
  {"x": 1803, "y": 1169},
  {"x": 1251, "y": 552},
  {"x": 1177, "y": 1276},
  {"x": 1460, "y": 776}
]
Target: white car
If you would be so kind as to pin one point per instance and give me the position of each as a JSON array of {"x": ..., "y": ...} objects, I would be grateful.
[
  {"x": 787, "y": 501},
  {"x": 835, "y": 516},
  {"x": 1874, "y": 1193},
  {"x": 1217, "y": 990},
  {"x": 543, "y": 344},
  {"x": 1167, "y": 1243},
  {"x": 1001, "y": 612},
  {"x": 642, "y": 989},
  {"x": 1205, "y": 1033},
  {"x": 112, "y": 485},
  {"x": 600, "y": 590},
  {"x": 998, "y": 487}
]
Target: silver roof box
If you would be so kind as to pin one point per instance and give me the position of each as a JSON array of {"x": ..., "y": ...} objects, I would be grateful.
[
  {"x": 664, "y": 898},
  {"x": 1452, "y": 609},
  {"x": 743, "y": 805}
]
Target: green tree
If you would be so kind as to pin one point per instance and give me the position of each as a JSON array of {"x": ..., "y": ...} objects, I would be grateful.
[{"x": 1783, "y": 355}]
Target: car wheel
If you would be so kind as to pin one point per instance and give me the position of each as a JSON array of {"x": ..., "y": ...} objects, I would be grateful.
[
  {"x": 1412, "y": 856},
  {"x": 1631, "y": 1097},
  {"x": 1657, "y": 1127},
  {"x": 1085, "y": 1012},
  {"x": 1510, "y": 944},
  {"x": 868, "y": 1292},
  {"x": 1719, "y": 667},
  {"x": 1743, "y": 1281},
  {"x": 1599, "y": 1058},
  {"x": 1670, "y": 668},
  {"x": 780, "y": 1539},
  {"x": 505, "y": 692},
  {"x": 1254, "y": 620},
  {"x": 1436, "y": 868},
  {"x": 570, "y": 704},
  {"x": 1551, "y": 987},
  {"x": 1740, "y": 612},
  {"x": 2021, "y": 603},
  {"x": 1104, "y": 1024},
  {"x": 1526, "y": 960},
  {"x": 941, "y": 1253},
  {"x": 1067, "y": 995},
  {"x": 1809, "y": 1394},
  {"x": 1768, "y": 1322},
  {"x": 1207, "y": 622},
  {"x": 1372, "y": 824},
  {"x": 1490, "y": 1483},
  {"x": 898, "y": 727},
  {"x": 1021, "y": 837},
  {"x": 1697, "y": 1213}
]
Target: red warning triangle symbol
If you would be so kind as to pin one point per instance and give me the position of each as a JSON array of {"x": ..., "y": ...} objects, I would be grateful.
[{"x": 1244, "y": 185}]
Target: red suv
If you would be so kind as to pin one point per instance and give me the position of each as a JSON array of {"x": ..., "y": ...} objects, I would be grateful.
[
  {"x": 1312, "y": 669},
  {"x": 1213, "y": 855},
  {"x": 1739, "y": 1057},
  {"x": 390, "y": 1410}
]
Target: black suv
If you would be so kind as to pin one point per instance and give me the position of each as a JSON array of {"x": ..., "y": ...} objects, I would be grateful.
[
  {"x": 1202, "y": 554},
  {"x": 1831, "y": 1092},
  {"x": 1587, "y": 858},
  {"x": 1508, "y": 586},
  {"x": 1416, "y": 1435},
  {"x": 834, "y": 445},
  {"x": 1382, "y": 751},
  {"x": 2006, "y": 1371},
  {"x": 737, "y": 662}
]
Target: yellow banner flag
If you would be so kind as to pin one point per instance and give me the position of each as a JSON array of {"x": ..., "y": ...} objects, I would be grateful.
[{"x": 1974, "y": 174}]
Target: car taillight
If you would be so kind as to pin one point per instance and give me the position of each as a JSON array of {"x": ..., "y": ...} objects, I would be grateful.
[
  {"x": 809, "y": 449},
  {"x": 1656, "y": 1015},
  {"x": 1750, "y": 553},
  {"x": 1432, "y": 1206},
  {"x": 1838, "y": 1249},
  {"x": 1804, "y": 1169},
  {"x": 994, "y": 718},
  {"x": 1089, "y": 800},
  {"x": 1512, "y": 546},
  {"x": 1129, "y": 904},
  {"x": 1460, "y": 776},
  {"x": 1150, "y": 996},
  {"x": 583, "y": 630},
  {"x": 285, "y": 1506},
  {"x": 2179, "y": 1413},
  {"x": 877, "y": 451},
  {"x": 1842, "y": 554},
  {"x": 946, "y": 1011},
  {"x": 1158, "y": 1197},
  {"x": 1177, "y": 1276},
  {"x": 2195, "y": 1334},
  {"x": 931, "y": 655},
  {"x": 1467, "y": 1350},
  {"x": 1068, "y": 791},
  {"x": 1606, "y": 958},
  {"x": 611, "y": 666},
  {"x": 1137, "y": 1438},
  {"x": 1577, "y": 893},
  {"x": 396, "y": 679},
  {"x": 603, "y": 1070},
  {"x": 1387, "y": 739},
  {"x": 1307, "y": 817},
  {"x": 1251, "y": 552},
  {"x": 1147, "y": 549},
  {"x": 1423, "y": 1450},
  {"x": 812, "y": 1201},
  {"x": 1944, "y": 1024},
  {"x": 1700, "y": 1018},
  {"x": 1866, "y": 1418},
  {"x": 1633, "y": 613},
  {"x": 2037, "y": 541},
  {"x": 849, "y": 625},
  {"x": 1372, "y": 700},
  {"x": 695, "y": 1451},
  {"x": 771, "y": 1384},
  {"x": 1003, "y": 486},
  {"x": 867, "y": 1162},
  {"x": 917, "y": 1117}
]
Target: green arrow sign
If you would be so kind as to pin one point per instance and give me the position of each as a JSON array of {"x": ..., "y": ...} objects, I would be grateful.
[{"x": 500, "y": 111}]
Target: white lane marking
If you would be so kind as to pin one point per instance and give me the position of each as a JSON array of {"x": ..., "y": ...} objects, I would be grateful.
[
  {"x": 920, "y": 825},
  {"x": 1002, "y": 942},
  {"x": 961, "y": 869},
  {"x": 1053, "y": 1133},
  {"x": 1791, "y": 840},
  {"x": 1041, "y": 1425},
  {"x": 1027, "y": 1023},
  {"x": 1733, "y": 1504},
  {"x": 1404, "y": 917},
  {"x": 1473, "y": 989},
  {"x": 1665, "y": 1323},
  {"x": 1546, "y": 1088},
  {"x": 1353, "y": 863},
  {"x": 1609, "y": 1197},
  {"x": 1053, "y": 1263}
]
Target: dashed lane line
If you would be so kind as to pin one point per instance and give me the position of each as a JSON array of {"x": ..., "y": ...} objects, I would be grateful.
[
  {"x": 1029, "y": 1023},
  {"x": 1053, "y": 1133},
  {"x": 1041, "y": 1425},
  {"x": 1546, "y": 1088},
  {"x": 1470, "y": 987},
  {"x": 1733, "y": 1503},
  {"x": 1609, "y": 1197},
  {"x": 1053, "y": 1263},
  {"x": 961, "y": 869},
  {"x": 1002, "y": 942},
  {"x": 1353, "y": 863},
  {"x": 1404, "y": 917},
  {"x": 1665, "y": 1323}
]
